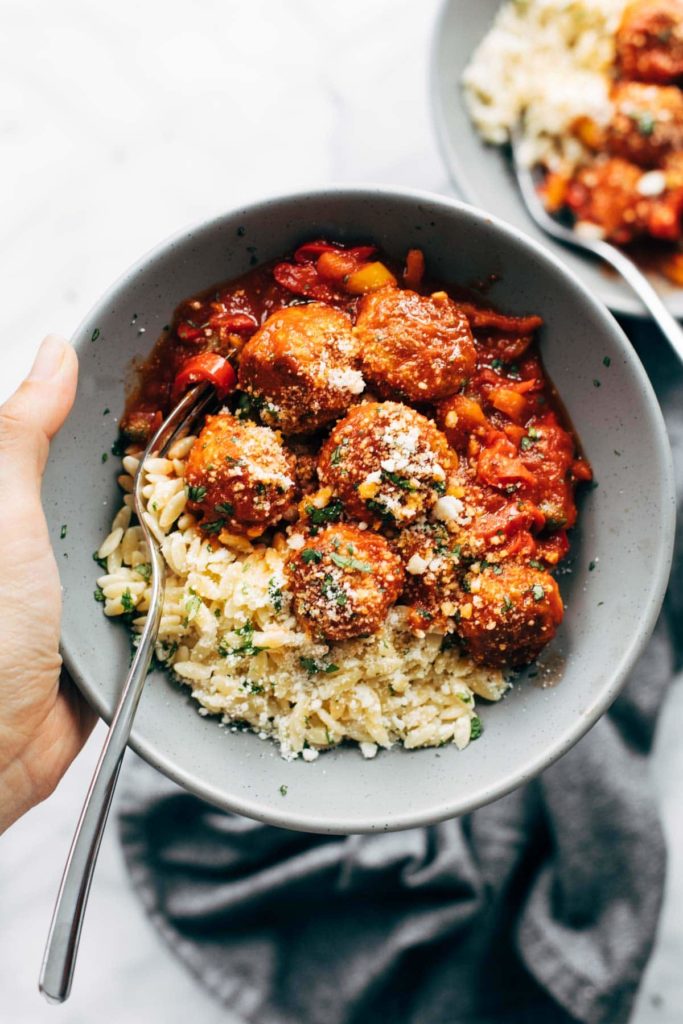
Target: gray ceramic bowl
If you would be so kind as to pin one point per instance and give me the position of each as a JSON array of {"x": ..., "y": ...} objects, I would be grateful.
[
  {"x": 626, "y": 523},
  {"x": 481, "y": 174}
]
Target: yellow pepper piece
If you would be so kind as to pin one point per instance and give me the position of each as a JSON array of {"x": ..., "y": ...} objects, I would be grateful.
[{"x": 369, "y": 278}]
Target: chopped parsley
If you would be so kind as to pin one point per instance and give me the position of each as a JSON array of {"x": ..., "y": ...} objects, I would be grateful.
[
  {"x": 597, "y": 383},
  {"x": 225, "y": 508},
  {"x": 196, "y": 492},
  {"x": 645, "y": 122},
  {"x": 275, "y": 594},
  {"x": 314, "y": 667},
  {"x": 592, "y": 566},
  {"x": 106, "y": 412},
  {"x": 332, "y": 590},
  {"x": 102, "y": 562},
  {"x": 338, "y": 453},
  {"x": 380, "y": 510},
  {"x": 350, "y": 563},
  {"x": 607, "y": 361},
  {"x": 496, "y": 364},
  {"x": 95, "y": 334},
  {"x": 98, "y": 594},
  {"x": 309, "y": 555},
  {"x": 398, "y": 481},
  {"x": 246, "y": 648},
  {"x": 63, "y": 532},
  {"x": 213, "y": 527},
  {"x": 105, "y": 456},
  {"x": 476, "y": 728},
  {"x": 248, "y": 406},
  {"x": 331, "y": 513},
  {"x": 283, "y": 790},
  {"x": 119, "y": 447},
  {"x": 538, "y": 591},
  {"x": 192, "y": 606},
  {"x": 144, "y": 570},
  {"x": 127, "y": 602},
  {"x": 536, "y": 565},
  {"x": 507, "y": 604}
]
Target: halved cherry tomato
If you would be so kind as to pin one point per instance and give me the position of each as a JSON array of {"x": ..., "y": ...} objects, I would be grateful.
[{"x": 207, "y": 366}]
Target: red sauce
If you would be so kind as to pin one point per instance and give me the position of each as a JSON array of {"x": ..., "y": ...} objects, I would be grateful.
[{"x": 517, "y": 457}]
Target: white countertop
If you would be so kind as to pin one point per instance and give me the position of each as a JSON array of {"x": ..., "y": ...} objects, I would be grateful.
[{"x": 121, "y": 123}]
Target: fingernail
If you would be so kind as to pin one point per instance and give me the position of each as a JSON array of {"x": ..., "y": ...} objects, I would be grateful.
[{"x": 49, "y": 359}]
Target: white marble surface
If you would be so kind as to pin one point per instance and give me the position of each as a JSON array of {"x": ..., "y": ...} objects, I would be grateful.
[{"x": 120, "y": 123}]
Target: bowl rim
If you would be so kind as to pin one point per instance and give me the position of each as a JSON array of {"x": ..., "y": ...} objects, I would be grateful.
[
  {"x": 329, "y": 823},
  {"x": 627, "y": 304}
]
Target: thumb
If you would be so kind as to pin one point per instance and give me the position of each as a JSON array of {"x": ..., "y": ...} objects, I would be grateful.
[{"x": 34, "y": 414}]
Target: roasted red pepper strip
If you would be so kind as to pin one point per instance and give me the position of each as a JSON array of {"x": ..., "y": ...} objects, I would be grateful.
[
  {"x": 309, "y": 251},
  {"x": 187, "y": 331},
  {"x": 207, "y": 366}
]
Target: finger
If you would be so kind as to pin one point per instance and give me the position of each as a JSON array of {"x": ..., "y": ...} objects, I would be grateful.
[{"x": 34, "y": 414}]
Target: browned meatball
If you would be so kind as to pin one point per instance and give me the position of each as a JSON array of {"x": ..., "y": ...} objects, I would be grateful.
[
  {"x": 647, "y": 123},
  {"x": 301, "y": 366},
  {"x": 239, "y": 476},
  {"x": 344, "y": 581},
  {"x": 414, "y": 346},
  {"x": 508, "y": 613},
  {"x": 650, "y": 41},
  {"x": 432, "y": 558},
  {"x": 386, "y": 462}
]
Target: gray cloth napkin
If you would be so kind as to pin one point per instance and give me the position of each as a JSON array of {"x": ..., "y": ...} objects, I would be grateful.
[{"x": 541, "y": 907}]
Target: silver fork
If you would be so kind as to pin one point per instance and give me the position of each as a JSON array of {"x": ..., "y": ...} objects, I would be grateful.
[
  {"x": 668, "y": 325},
  {"x": 61, "y": 950}
]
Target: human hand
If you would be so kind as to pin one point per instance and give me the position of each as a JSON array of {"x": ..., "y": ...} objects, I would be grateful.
[{"x": 43, "y": 720}]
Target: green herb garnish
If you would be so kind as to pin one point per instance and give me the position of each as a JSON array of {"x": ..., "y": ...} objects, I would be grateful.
[
  {"x": 196, "y": 492},
  {"x": 398, "y": 481},
  {"x": 127, "y": 602},
  {"x": 350, "y": 563},
  {"x": 331, "y": 513},
  {"x": 309, "y": 555},
  {"x": 63, "y": 531},
  {"x": 476, "y": 728},
  {"x": 538, "y": 591},
  {"x": 314, "y": 667}
]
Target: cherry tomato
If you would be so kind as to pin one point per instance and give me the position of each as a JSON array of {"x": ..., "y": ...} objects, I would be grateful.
[{"x": 207, "y": 366}]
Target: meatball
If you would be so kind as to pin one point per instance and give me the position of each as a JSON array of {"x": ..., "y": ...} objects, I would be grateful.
[
  {"x": 650, "y": 41},
  {"x": 434, "y": 567},
  {"x": 606, "y": 194},
  {"x": 344, "y": 581},
  {"x": 239, "y": 476},
  {"x": 386, "y": 462},
  {"x": 647, "y": 123},
  {"x": 507, "y": 613},
  {"x": 301, "y": 366},
  {"x": 414, "y": 346}
]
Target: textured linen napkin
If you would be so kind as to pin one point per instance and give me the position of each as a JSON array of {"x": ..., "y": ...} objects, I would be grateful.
[{"x": 541, "y": 907}]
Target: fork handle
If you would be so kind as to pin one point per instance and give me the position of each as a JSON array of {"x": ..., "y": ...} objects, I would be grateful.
[
  {"x": 667, "y": 323},
  {"x": 59, "y": 960}
]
